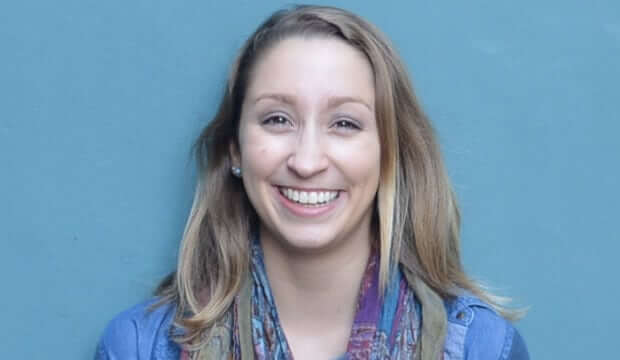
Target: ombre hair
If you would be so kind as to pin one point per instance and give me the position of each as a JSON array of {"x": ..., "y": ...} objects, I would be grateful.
[{"x": 417, "y": 214}]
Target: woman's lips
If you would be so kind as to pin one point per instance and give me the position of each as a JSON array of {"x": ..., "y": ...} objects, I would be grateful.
[
  {"x": 308, "y": 203},
  {"x": 309, "y": 197}
]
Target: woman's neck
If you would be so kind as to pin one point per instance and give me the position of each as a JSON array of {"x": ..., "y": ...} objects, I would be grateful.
[{"x": 316, "y": 293}]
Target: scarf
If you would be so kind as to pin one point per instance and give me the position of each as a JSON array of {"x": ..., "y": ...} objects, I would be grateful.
[{"x": 385, "y": 327}]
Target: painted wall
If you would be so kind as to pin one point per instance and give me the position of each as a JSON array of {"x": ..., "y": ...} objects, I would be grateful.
[{"x": 100, "y": 100}]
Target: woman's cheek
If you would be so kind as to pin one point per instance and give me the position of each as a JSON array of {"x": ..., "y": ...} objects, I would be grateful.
[
  {"x": 266, "y": 151},
  {"x": 359, "y": 157}
]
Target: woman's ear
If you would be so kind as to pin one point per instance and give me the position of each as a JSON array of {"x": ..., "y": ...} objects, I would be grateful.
[
  {"x": 233, "y": 153},
  {"x": 235, "y": 160}
]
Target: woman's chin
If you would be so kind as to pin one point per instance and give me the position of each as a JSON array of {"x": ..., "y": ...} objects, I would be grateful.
[
  {"x": 302, "y": 242},
  {"x": 308, "y": 245}
]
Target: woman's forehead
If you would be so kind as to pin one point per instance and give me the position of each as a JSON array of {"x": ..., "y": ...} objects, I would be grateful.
[{"x": 315, "y": 68}]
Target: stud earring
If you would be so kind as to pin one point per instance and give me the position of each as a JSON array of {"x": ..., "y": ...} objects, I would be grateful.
[{"x": 236, "y": 171}]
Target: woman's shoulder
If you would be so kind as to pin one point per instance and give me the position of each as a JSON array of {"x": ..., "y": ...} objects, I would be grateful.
[
  {"x": 476, "y": 330},
  {"x": 140, "y": 332}
]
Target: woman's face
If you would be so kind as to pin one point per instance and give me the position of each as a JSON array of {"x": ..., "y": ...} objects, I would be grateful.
[{"x": 309, "y": 145}]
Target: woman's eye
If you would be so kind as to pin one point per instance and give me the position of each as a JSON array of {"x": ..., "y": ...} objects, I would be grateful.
[
  {"x": 277, "y": 120},
  {"x": 347, "y": 124}
]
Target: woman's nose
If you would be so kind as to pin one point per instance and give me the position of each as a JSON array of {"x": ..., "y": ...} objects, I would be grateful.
[{"x": 308, "y": 156}]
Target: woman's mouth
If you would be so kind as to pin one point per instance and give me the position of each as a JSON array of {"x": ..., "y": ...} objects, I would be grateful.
[{"x": 308, "y": 198}]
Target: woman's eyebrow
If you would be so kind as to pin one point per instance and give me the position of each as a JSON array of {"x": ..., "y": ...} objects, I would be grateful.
[
  {"x": 336, "y": 101},
  {"x": 333, "y": 101},
  {"x": 283, "y": 98}
]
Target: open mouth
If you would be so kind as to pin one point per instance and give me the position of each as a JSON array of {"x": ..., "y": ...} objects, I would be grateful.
[{"x": 309, "y": 198}]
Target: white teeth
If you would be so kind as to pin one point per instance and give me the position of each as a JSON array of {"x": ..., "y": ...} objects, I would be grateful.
[{"x": 309, "y": 197}]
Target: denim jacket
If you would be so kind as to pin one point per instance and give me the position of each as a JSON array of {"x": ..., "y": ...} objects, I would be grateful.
[{"x": 474, "y": 332}]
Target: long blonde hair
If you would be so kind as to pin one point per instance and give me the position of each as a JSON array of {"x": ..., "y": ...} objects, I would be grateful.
[{"x": 418, "y": 217}]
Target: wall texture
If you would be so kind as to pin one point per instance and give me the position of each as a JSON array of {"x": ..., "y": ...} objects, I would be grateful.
[{"x": 100, "y": 100}]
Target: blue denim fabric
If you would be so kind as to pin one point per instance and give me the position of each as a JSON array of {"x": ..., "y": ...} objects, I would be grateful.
[
  {"x": 475, "y": 332},
  {"x": 139, "y": 333}
]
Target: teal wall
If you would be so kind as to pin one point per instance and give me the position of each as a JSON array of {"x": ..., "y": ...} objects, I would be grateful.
[{"x": 100, "y": 100}]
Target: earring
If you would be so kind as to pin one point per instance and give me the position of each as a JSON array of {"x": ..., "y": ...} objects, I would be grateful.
[{"x": 236, "y": 171}]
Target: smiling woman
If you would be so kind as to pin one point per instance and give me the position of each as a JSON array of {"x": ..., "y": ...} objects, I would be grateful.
[
  {"x": 308, "y": 128},
  {"x": 323, "y": 226}
]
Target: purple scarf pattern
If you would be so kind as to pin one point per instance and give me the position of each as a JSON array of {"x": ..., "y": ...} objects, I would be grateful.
[{"x": 383, "y": 328}]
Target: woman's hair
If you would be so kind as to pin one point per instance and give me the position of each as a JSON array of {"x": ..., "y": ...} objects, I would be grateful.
[{"x": 418, "y": 218}]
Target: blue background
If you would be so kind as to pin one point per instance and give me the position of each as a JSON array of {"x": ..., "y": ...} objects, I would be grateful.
[{"x": 100, "y": 101}]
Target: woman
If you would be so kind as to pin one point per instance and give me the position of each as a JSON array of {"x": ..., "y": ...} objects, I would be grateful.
[{"x": 323, "y": 226}]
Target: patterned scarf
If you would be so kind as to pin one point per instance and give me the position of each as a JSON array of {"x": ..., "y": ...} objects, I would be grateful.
[{"x": 385, "y": 328}]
